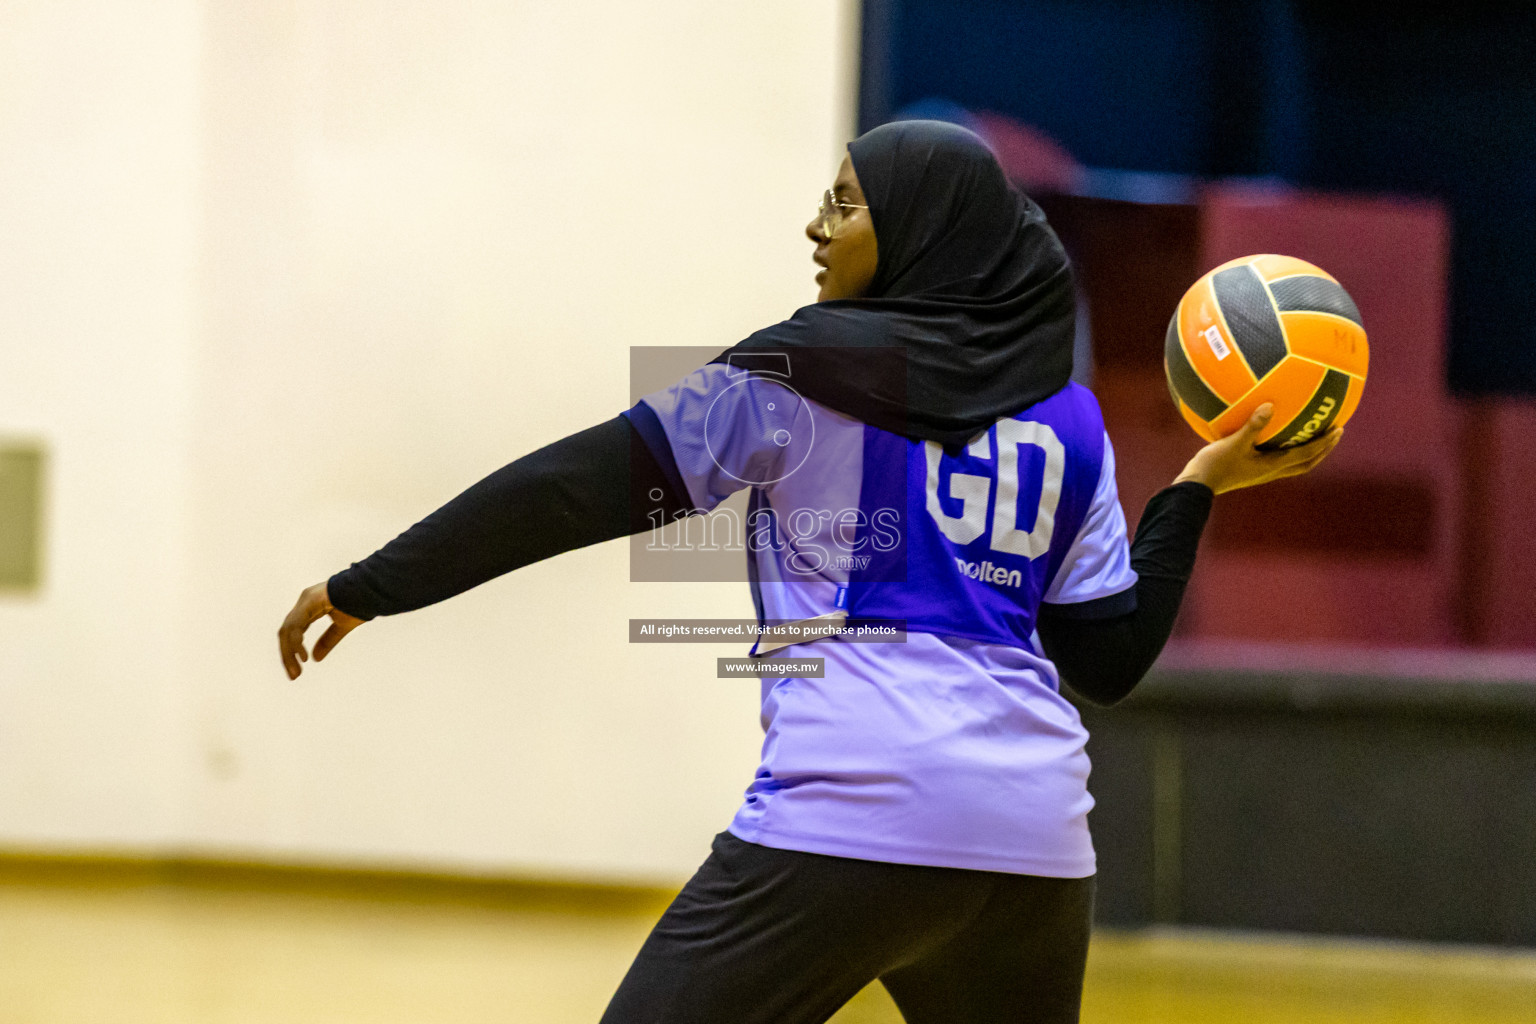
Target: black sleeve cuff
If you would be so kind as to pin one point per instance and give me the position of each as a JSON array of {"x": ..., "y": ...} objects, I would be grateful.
[
  {"x": 648, "y": 426},
  {"x": 1168, "y": 535},
  {"x": 350, "y": 594}
]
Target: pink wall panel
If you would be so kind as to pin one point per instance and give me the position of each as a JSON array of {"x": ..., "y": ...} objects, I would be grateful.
[
  {"x": 1501, "y": 552},
  {"x": 1315, "y": 600}
]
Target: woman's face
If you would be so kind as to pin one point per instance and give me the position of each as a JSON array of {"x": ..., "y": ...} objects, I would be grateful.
[{"x": 846, "y": 254}]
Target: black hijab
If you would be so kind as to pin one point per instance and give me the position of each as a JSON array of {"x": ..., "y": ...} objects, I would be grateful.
[{"x": 970, "y": 316}]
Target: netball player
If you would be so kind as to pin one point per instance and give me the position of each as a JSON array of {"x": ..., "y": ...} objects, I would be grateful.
[{"x": 920, "y": 813}]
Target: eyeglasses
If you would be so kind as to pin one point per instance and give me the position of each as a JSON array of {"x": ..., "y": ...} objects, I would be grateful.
[{"x": 832, "y": 212}]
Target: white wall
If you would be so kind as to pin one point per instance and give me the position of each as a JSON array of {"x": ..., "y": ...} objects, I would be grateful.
[
  {"x": 98, "y": 182},
  {"x": 374, "y": 252}
]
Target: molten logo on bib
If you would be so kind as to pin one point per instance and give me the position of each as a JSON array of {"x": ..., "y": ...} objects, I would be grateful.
[{"x": 989, "y": 573}]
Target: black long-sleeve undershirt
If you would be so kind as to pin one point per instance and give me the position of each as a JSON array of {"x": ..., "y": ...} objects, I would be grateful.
[
  {"x": 604, "y": 482},
  {"x": 1103, "y": 659},
  {"x": 590, "y": 487}
]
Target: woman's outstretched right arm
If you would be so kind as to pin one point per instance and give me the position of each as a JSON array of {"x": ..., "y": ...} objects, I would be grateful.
[
  {"x": 590, "y": 487},
  {"x": 595, "y": 485}
]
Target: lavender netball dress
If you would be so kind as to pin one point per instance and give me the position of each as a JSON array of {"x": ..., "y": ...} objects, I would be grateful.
[{"x": 956, "y": 747}]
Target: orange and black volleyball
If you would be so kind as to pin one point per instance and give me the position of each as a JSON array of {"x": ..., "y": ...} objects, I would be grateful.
[{"x": 1266, "y": 329}]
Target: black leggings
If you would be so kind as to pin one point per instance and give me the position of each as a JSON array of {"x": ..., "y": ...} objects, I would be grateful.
[{"x": 766, "y": 936}]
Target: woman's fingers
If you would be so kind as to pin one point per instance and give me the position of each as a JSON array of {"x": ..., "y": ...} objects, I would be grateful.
[
  {"x": 1257, "y": 422},
  {"x": 1235, "y": 461},
  {"x": 330, "y": 638},
  {"x": 290, "y": 637},
  {"x": 338, "y": 628},
  {"x": 290, "y": 642},
  {"x": 1308, "y": 456},
  {"x": 310, "y": 606},
  {"x": 1324, "y": 445}
]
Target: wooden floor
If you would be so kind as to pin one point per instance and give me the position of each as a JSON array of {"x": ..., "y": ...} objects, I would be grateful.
[{"x": 124, "y": 950}]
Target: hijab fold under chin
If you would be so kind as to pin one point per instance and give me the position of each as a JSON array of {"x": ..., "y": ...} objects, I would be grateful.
[{"x": 970, "y": 316}]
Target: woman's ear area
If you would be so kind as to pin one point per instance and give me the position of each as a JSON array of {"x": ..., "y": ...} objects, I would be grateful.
[
  {"x": 849, "y": 252},
  {"x": 846, "y": 185},
  {"x": 863, "y": 241}
]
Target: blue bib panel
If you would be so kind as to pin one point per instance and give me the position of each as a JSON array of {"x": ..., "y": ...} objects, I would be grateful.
[{"x": 966, "y": 543}]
